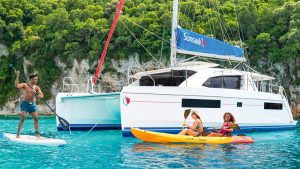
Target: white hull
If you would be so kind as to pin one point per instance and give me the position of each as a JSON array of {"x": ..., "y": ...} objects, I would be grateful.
[
  {"x": 161, "y": 108},
  {"x": 84, "y": 110}
]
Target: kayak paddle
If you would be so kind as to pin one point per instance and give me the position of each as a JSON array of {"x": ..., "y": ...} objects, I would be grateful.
[
  {"x": 64, "y": 123},
  {"x": 186, "y": 114},
  {"x": 234, "y": 126}
]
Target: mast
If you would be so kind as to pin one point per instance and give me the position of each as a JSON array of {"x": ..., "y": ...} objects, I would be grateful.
[{"x": 173, "y": 38}]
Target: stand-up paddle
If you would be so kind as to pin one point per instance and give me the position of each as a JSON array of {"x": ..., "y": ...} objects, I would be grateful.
[
  {"x": 64, "y": 123},
  {"x": 186, "y": 114}
]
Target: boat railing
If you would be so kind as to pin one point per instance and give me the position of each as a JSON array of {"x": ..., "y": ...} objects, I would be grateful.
[
  {"x": 103, "y": 84},
  {"x": 268, "y": 87},
  {"x": 69, "y": 84},
  {"x": 129, "y": 75}
]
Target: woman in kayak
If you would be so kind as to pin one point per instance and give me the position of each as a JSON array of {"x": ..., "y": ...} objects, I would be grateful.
[
  {"x": 196, "y": 129},
  {"x": 229, "y": 120}
]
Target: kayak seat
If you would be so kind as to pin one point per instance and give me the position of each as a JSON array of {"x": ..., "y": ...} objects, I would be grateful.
[
  {"x": 228, "y": 134},
  {"x": 204, "y": 132}
]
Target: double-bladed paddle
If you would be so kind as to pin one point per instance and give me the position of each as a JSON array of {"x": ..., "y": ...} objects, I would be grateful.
[
  {"x": 186, "y": 114},
  {"x": 232, "y": 126},
  {"x": 63, "y": 122}
]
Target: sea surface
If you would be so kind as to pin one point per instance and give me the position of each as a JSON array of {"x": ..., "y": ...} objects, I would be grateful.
[{"x": 108, "y": 149}]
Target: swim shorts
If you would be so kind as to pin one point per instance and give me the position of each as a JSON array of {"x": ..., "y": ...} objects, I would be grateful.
[{"x": 28, "y": 107}]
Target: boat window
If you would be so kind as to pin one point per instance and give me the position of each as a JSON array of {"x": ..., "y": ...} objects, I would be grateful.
[
  {"x": 263, "y": 86},
  {"x": 277, "y": 106},
  {"x": 239, "y": 104},
  {"x": 228, "y": 82},
  {"x": 172, "y": 78},
  {"x": 201, "y": 103}
]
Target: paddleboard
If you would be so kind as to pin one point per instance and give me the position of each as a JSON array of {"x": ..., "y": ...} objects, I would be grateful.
[{"x": 33, "y": 140}]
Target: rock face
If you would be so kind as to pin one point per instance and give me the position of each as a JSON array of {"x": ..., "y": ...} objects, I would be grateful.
[
  {"x": 295, "y": 90},
  {"x": 286, "y": 75},
  {"x": 3, "y": 50},
  {"x": 78, "y": 79}
]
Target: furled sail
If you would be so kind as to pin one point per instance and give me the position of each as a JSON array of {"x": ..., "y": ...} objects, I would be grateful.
[
  {"x": 192, "y": 43},
  {"x": 119, "y": 10}
]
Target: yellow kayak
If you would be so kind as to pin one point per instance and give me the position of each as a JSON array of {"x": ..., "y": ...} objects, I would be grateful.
[{"x": 157, "y": 137}]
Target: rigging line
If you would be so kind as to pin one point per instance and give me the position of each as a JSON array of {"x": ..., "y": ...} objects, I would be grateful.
[
  {"x": 214, "y": 8},
  {"x": 193, "y": 21},
  {"x": 188, "y": 59},
  {"x": 240, "y": 33},
  {"x": 142, "y": 45},
  {"x": 225, "y": 24},
  {"x": 189, "y": 9},
  {"x": 219, "y": 59},
  {"x": 203, "y": 58},
  {"x": 205, "y": 6},
  {"x": 220, "y": 22},
  {"x": 122, "y": 16},
  {"x": 184, "y": 14},
  {"x": 97, "y": 122},
  {"x": 231, "y": 31},
  {"x": 213, "y": 25},
  {"x": 162, "y": 45},
  {"x": 107, "y": 85},
  {"x": 236, "y": 66},
  {"x": 179, "y": 9},
  {"x": 209, "y": 60},
  {"x": 163, "y": 35},
  {"x": 239, "y": 27}
]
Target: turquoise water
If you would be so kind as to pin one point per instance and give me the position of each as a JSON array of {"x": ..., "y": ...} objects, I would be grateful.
[{"x": 108, "y": 149}]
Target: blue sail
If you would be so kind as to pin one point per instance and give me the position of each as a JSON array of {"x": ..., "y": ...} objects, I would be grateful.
[{"x": 189, "y": 42}]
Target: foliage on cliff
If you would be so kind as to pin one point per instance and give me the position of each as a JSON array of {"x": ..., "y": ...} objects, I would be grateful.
[{"x": 45, "y": 32}]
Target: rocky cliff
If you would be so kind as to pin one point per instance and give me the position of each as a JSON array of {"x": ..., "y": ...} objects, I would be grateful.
[{"x": 285, "y": 73}]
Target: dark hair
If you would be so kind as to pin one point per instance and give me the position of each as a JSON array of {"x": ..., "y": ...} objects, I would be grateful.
[
  {"x": 32, "y": 76},
  {"x": 232, "y": 119},
  {"x": 196, "y": 115}
]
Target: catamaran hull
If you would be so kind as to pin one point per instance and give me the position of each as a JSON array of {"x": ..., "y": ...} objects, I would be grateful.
[
  {"x": 161, "y": 108},
  {"x": 85, "y": 111}
]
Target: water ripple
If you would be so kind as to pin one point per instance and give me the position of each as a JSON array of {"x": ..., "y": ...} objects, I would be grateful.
[{"x": 108, "y": 149}]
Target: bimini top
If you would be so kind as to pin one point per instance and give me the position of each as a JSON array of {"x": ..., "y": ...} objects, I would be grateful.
[{"x": 192, "y": 43}]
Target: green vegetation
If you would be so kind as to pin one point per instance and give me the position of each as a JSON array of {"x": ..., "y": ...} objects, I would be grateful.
[{"x": 42, "y": 32}]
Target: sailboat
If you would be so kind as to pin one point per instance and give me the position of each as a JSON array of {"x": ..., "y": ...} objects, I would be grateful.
[
  {"x": 156, "y": 100},
  {"x": 90, "y": 110}
]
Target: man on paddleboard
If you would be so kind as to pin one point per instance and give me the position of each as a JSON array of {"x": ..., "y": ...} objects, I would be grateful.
[{"x": 27, "y": 103}]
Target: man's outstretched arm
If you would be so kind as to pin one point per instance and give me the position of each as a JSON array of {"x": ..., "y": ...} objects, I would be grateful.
[{"x": 17, "y": 84}]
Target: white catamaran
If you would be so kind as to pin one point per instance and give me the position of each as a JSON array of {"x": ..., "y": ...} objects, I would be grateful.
[
  {"x": 90, "y": 110},
  {"x": 157, "y": 99}
]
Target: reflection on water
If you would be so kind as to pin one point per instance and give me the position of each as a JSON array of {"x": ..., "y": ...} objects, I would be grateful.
[
  {"x": 183, "y": 155},
  {"x": 182, "y": 147},
  {"x": 108, "y": 149}
]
